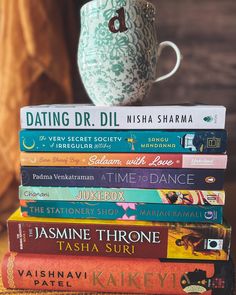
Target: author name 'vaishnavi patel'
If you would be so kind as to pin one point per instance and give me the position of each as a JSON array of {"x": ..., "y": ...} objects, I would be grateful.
[{"x": 99, "y": 279}]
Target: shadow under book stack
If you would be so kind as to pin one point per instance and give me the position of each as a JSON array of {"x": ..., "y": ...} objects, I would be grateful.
[{"x": 121, "y": 199}]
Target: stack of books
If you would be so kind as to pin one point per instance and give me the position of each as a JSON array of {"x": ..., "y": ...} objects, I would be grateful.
[{"x": 121, "y": 199}]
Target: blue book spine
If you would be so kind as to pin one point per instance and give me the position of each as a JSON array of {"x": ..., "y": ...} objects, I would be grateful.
[
  {"x": 122, "y": 211},
  {"x": 145, "y": 141},
  {"x": 194, "y": 179}
]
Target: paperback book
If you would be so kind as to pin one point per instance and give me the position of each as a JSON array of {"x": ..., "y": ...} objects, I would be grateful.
[
  {"x": 122, "y": 195},
  {"x": 122, "y": 211},
  {"x": 126, "y": 160},
  {"x": 145, "y": 117},
  {"x": 124, "y": 141},
  {"x": 193, "y": 179}
]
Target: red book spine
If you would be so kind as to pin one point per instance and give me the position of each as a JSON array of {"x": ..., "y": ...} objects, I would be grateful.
[{"x": 96, "y": 274}]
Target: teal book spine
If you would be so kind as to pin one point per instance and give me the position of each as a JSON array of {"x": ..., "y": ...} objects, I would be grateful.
[
  {"x": 122, "y": 211},
  {"x": 122, "y": 195},
  {"x": 135, "y": 141}
]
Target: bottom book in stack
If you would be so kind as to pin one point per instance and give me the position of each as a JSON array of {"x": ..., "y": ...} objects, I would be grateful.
[
  {"x": 117, "y": 256},
  {"x": 105, "y": 274}
]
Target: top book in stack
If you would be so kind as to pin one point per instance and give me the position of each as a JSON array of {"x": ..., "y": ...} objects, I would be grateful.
[{"x": 130, "y": 117}]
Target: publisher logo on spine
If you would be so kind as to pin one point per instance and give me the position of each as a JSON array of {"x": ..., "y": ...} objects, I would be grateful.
[
  {"x": 214, "y": 142},
  {"x": 215, "y": 244},
  {"x": 210, "y": 179},
  {"x": 208, "y": 119},
  {"x": 210, "y": 215}
]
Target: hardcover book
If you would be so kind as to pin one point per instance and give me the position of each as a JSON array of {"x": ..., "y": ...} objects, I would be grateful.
[
  {"x": 122, "y": 211},
  {"x": 146, "y": 117},
  {"x": 193, "y": 179},
  {"x": 135, "y": 141},
  {"x": 120, "y": 238},
  {"x": 104, "y": 274},
  {"x": 124, "y": 160},
  {"x": 122, "y": 195}
]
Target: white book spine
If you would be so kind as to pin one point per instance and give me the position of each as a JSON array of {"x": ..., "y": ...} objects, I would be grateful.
[{"x": 150, "y": 117}]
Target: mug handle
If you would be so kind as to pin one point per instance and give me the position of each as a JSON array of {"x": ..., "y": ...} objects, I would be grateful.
[{"x": 178, "y": 59}]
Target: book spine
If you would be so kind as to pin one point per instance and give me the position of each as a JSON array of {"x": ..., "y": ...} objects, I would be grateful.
[
  {"x": 146, "y": 141},
  {"x": 122, "y": 195},
  {"x": 122, "y": 211},
  {"x": 202, "y": 179},
  {"x": 130, "y": 239},
  {"x": 119, "y": 238},
  {"x": 84, "y": 117},
  {"x": 124, "y": 160},
  {"x": 95, "y": 274}
]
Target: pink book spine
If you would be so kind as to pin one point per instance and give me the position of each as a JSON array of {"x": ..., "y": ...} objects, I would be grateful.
[{"x": 205, "y": 161}]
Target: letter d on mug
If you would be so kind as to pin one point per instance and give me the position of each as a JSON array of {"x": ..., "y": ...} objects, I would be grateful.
[
  {"x": 121, "y": 18},
  {"x": 118, "y": 51}
]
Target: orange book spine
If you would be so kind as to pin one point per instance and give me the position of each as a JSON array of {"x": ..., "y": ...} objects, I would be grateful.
[{"x": 96, "y": 274}]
